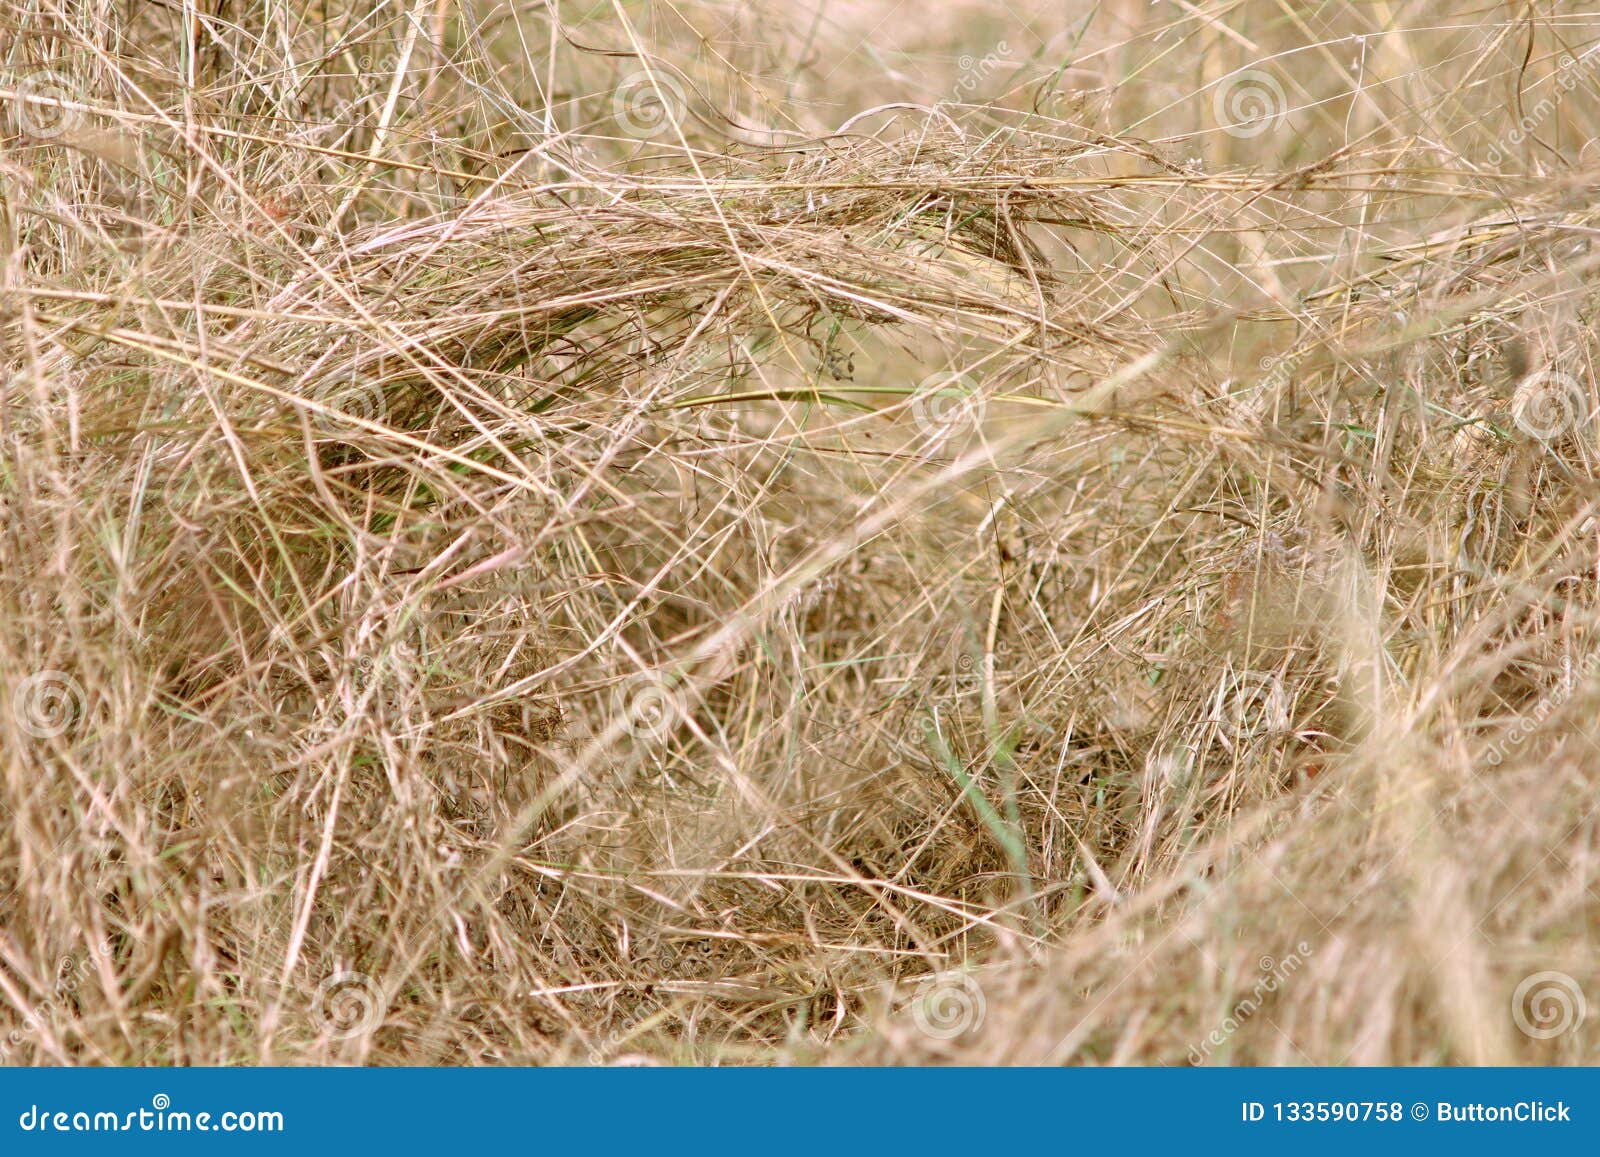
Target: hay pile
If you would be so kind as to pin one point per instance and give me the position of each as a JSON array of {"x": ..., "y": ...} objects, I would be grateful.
[{"x": 490, "y": 577}]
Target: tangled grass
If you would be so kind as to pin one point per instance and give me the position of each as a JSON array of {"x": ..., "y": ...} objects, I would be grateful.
[{"x": 712, "y": 536}]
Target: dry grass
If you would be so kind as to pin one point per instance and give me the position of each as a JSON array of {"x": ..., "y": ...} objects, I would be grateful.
[{"x": 715, "y": 536}]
